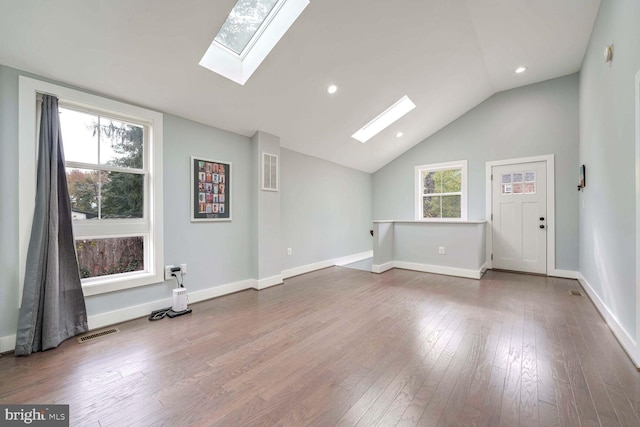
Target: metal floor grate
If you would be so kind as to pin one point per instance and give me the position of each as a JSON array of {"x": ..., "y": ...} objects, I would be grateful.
[
  {"x": 95, "y": 335},
  {"x": 574, "y": 292}
]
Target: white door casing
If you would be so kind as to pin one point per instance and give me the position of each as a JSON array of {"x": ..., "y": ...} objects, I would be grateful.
[{"x": 519, "y": 217}]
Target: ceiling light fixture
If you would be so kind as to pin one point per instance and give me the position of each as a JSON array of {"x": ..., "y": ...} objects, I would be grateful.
[
  {"x": 332, "y": 89},
  {"x": 520, "y": 70},
  {"x": 399, "y": 134},
  {"x": 384, "y": 119}
]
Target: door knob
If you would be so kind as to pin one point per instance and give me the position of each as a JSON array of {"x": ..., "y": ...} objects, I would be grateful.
[
  {"x": 541, "y": 226},
  {"x": 541, "y": 218}
]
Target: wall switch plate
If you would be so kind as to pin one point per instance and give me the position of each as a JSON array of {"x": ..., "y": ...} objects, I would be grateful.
[
  {"x": 441, "y": 250},
  {"x": 288, "y": 251},
  {"x": 183, "y": 268}
]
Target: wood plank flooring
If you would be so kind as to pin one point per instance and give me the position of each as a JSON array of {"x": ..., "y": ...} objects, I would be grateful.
[{"x": 350, "y": 348}]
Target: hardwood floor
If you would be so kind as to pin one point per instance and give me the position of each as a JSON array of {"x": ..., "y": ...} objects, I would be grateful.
[{"x": 346, "y": 347}]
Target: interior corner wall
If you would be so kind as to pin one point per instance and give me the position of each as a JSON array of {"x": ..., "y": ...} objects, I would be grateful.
[
  {"x": 267, "y": 229},
  {"x": 532, "y": 120},
  {"x": 326, "y": 210},
  {"x": 607, "y": 149}
]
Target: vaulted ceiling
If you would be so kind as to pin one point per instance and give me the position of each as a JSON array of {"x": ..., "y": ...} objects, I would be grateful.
[{"x": 446, "y": 55}]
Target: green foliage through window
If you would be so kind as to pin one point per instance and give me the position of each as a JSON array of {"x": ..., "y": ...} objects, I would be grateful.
[{"x": 441, "y": 193}]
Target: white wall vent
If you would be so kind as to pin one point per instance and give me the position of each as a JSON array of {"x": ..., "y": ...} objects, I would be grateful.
[{"x": 269, "y": 172}]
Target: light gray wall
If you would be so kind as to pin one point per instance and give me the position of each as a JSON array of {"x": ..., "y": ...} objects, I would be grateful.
[
  {"x": 9, "y": 196},
  {"x": 216, "y": 253},
  {"x": 326, "y": 210},
  {"x": 419, "y": 243},
  {"x": 532, "y": 120},
  {"x": 267, "y": 210},
  {"x": 607, "y": 149}
]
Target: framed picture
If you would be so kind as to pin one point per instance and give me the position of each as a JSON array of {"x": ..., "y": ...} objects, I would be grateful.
[{"x": 210, "y": 190}]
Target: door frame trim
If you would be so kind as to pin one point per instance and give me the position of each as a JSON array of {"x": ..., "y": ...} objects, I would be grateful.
[{"x": 549, "y": 159}]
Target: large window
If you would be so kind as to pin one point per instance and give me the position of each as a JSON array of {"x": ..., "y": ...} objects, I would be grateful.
[
  {"x": 113, "y": 160},
  {"x": 441, "y": 191}
]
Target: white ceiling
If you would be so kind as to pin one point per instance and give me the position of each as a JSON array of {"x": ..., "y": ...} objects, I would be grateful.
[{"x": 446, "y": 55}]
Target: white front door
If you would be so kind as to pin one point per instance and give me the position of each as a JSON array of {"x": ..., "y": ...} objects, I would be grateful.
[{"x": 519, "y": 212}]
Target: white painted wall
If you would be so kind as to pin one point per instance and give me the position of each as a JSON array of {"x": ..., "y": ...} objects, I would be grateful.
[
  {"x": 326, "y": 210},
  {"x": 607, "y": 148}
]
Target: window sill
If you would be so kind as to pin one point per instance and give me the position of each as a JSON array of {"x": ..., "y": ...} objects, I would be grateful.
[
  {"x": 103, "y": 285},
  {"x": 436, "y": 221}
]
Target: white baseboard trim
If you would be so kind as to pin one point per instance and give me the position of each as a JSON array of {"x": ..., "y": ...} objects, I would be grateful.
[
  {"x": 350, "y": 259},
  {"x": 437, "y": 269},
  {"x": 627, "y": 342},
  {"x": 303, "y": 269},
  {"x": 340, "y": 261},
  {"x": 102, "y": 320},
  {"x": 484, "y": 268},
  {"x": 218, "y": 291},
  {"x": 268, "y": 282},
  {"x": 381, "y": 268},
  {"x": 565, "y": 274},
  {"x": 128, "y": 313},
  {"x": 7, "y": 343}
]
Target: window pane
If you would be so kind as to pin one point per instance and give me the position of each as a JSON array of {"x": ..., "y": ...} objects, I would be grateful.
[
  {"x": 83, "y": 192},
  {"x": 79, "y": 136},
  {"x": 452, "y": 181},
  {"x": 100, "y": 194},
  {"x": 431, "y": 206},
  {"x": 101, "y": 257},
  {"x": 243, "y": 22},
  {"x": 122, "y": 195},
  {"x": 451, "y": 207},
  {"x": 429, "y": 182},
  {"x": 121, "y": 143}
]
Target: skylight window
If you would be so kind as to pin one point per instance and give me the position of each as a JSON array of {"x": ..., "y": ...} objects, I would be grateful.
[
  {"x": 384, "y": 119},
  {"x": 251, "y": 31},
  {"x": 243, "y": 22}
]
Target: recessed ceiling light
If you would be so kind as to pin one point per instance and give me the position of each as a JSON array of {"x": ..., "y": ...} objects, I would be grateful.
[
  {"x": 399, "y": 134},
  {"x": 521, "y": 70},
  {"x": 332, "y": 89},
  {"x": 384, "y": 119}
]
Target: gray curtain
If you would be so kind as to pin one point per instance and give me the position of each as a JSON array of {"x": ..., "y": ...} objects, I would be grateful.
[{"x": 53, "y": 307}]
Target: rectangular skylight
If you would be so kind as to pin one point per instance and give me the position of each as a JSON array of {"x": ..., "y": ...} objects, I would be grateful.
[
  {"x": 243, "y": 22},
  {"x": 384, "y": 119},
  {"x": 250, "y": 32}
]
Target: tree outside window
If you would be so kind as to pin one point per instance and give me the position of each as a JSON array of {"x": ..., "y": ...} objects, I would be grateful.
[{"x": 441, "y": 191}]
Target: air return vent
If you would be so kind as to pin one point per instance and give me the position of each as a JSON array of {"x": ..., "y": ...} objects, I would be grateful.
[
  {"x": 269, "y": 172},
  {"x": 95, "y": 335},
  {"x": 575, "y": 293}
]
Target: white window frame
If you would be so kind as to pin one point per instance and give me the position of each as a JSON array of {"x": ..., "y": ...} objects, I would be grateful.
[
  {"x": 460, "y": 164},
  {"x": 239, "y": 68},
  {"x": 152, "y": 221}
]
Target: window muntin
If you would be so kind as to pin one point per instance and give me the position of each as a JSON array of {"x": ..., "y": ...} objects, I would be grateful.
[
  {"x": 441, "y": 191},
  {"x": 242, "y": 24}
]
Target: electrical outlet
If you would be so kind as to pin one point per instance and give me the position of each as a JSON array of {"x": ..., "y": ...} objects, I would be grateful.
[
  {"x": 167, "y": 271},
  {"x": 183, "y": 268},
  {"x": 288, "y": 251},
  {"x": 441, "y": 250}
]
